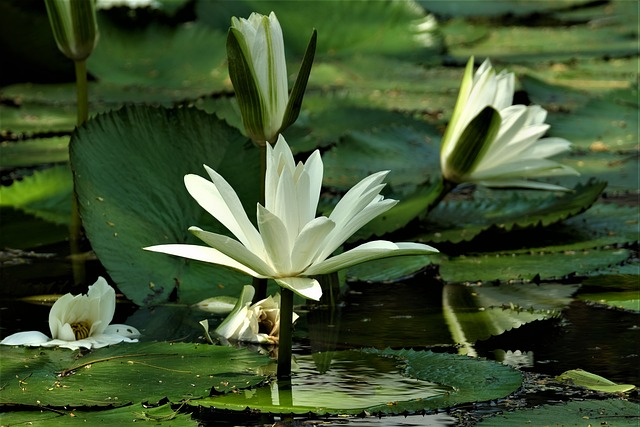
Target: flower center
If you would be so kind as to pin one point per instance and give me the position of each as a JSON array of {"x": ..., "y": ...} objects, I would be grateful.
[{"x": 81, "y": 329}]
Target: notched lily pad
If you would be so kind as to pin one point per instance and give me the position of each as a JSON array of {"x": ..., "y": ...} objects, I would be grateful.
[
  {"x": 459, "y": 221},
  {"x": 124, "y": 374},
  {"x": 378, "y": 382}
]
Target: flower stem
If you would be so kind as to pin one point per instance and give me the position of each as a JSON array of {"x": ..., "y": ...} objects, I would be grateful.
[
  {"x": 286, "y": 319},
  {"x": 82, "y": 91},
  {"x": 444, "y": 188},
  {"x": 75, "y": 227}
]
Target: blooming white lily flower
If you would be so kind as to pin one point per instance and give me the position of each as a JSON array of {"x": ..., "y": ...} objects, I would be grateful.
[
  {"x": 496, "y": 144},
  {"x": 80, "y": 321},
  {"x": 258, "y": 323},
  {"x": 290, "y": 244},
  {"x": 258, "y": 71}
]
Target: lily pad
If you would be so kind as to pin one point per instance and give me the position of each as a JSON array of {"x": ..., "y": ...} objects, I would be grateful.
[
  {"x": 614, "y": 412},
  {"x": 129, "y": 167},
  {"x": 380, "y": 382},
  {"x": 390, "y": 28},
  {"x": 163, "y": 415},
  {"x": 591, "y": 381},
  {"x": 509, "y": 267},
  {"x": 162, "y": 56},
  {"x": 458, "y": 221},
  {"x": 34, "y": 151},
  {"x": 45, "y": 194},
  {"x": 124, "y": 374}
]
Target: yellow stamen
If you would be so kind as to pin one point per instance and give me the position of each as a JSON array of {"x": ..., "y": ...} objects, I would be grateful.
[{"x": 81, "y": 329}]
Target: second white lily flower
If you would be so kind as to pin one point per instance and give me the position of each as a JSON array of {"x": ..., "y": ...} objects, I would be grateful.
[
  {"x": 493, "y": 143},
  {"x": 291, "y": 244}
]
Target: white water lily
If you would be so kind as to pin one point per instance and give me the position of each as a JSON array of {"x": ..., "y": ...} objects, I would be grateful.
[
  {"x": 493, "y": 143},
  {"x": 80, "y": 321},
  {"x": 290, "y": 245},
  {"x": 258, "y": 71},
  {"x": 258, "y": 323}
]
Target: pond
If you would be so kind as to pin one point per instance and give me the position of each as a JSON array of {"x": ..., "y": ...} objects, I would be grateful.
[{"x": 509, "y": 130}]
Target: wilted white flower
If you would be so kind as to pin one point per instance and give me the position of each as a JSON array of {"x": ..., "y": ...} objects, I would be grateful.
[
  {"x": 493, "y": 143},
  {"x": 258, "y": 323},
  {"x": 80, "y": 321},
  {"x": 291, "y": 244}
]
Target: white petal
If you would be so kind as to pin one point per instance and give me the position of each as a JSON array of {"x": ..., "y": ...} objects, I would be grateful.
[
  {"x": 310, "y": 242},
  {"x": 58, "y": 313},
  {"x": 367, "y": 252},
  {"x": 122, "y": 330},
  {"x": 204, "y": 254},
  {"x": 30, "y": 338},
  {"x": 520, "y": 183},
  {"x": 231, "y": 324},
  {"x": 234, "y": 250},
  {"x": 306, "y": 287},
  {"x": 313, "y": 169},
  {"x": 340, "y": 235},
  {"x": 345, "y": 207},
  {"x": 219, "y": 199},
  {"x": 103, "y": 298},
  {"x": 276, "y": 240}
]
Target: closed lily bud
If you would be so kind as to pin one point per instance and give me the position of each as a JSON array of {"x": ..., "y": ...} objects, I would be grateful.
[
  {"x": 74, "y": 26},
  {"x": 491, "y": 142},
  {"x": 258, "y": 71}
]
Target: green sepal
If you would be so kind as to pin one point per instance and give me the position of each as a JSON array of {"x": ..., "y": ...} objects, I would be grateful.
[
  {"x": 473, "y": 143},
  {"x": 245, "y": 87},
  {"x": 297, "y": 93},
  {"x": 74, "y": 26}
]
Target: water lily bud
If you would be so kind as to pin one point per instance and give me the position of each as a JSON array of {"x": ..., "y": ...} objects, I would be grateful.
[
  {"x": 258, "y": 71},
  {"x": 491, "y": 142},
  {"x": 74, "y": 26}
]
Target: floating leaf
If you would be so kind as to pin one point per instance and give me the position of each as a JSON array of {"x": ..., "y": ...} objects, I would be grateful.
[
  {"x": 591, "y": 381},
  {"x": 45, "y": 194},
  {"x": 125, "y": 373},
  {"x": 614, "y": 412},
  {"x": 388, "y": 269},
  {"x": 188, "y": 59},
  {"x": 34, "y": 151},
  {"x": 133, "y": 414},
  {"x": 129, "y": 167},
  {"x": 390, "y": 28},
  {"x": 409, "y": 153},
  {"x": 505, "y": 267},
  {"x": 457, "y": 221},
  {"x": 387, "y": 382}
]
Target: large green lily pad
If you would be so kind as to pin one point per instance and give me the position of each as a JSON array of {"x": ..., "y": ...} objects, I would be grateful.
[
  {"x": 128, "y": 168},
  {"x": 379, "y": 382},
  {"x": 124, "y": 374}
]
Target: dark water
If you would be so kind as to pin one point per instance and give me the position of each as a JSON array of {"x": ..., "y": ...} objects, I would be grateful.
[{"x": 408, "y": 314}]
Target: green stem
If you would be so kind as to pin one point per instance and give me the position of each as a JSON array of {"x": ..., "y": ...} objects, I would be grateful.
[
  {"x": 75, "y": 227},
  {"x": 284, "y": 348},
  {"x": 444, "y": 188},
  {"x": 82, "y": 91}
]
